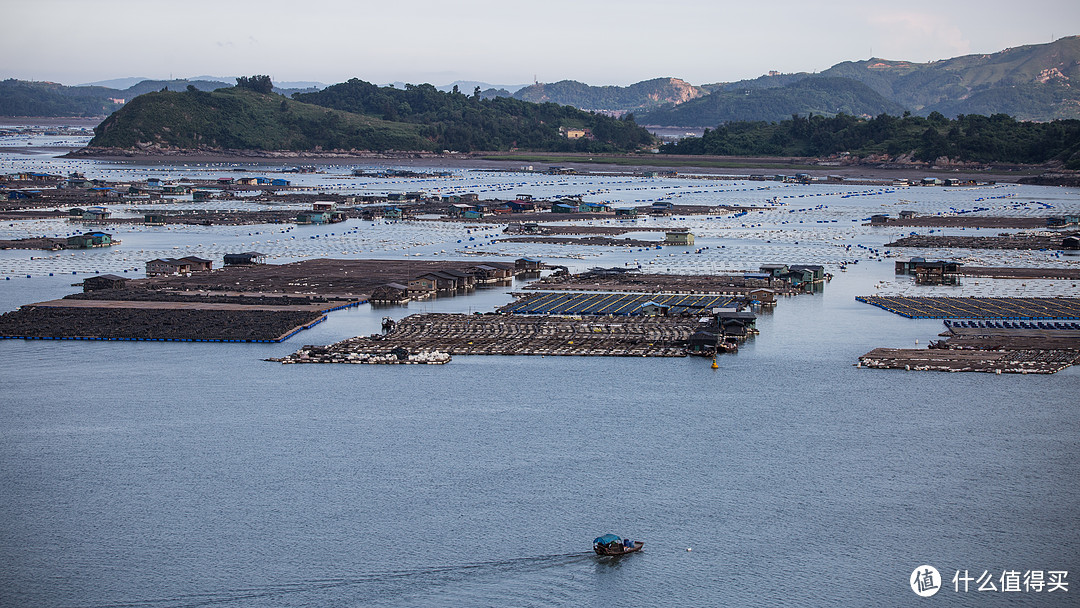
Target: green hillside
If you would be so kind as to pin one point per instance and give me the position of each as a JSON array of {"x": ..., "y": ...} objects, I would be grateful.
[
  {"x": 455, "y": 121},
  {"x": 823, "y": 96},
  {"x": 25, "y": 98},
  {"x": 241, "y": 119},
  {"x": 356, "y": 116}
]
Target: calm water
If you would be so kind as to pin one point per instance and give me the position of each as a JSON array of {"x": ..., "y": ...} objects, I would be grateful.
[{"x": 169, "y": 475}]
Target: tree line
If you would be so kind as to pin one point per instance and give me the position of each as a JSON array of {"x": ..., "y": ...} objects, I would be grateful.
[{"x": 997, "y": 138}]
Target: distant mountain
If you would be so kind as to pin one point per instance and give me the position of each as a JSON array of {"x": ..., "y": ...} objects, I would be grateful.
[
  {"x": 464, "y": 86},
  {"x": 1034, "y": 82},
  {"x": 180, "y": 84},
  {"x": 823, "y": 96},
  {"x": 634, "y": 98},
  {"x": 116, "y": 83}
]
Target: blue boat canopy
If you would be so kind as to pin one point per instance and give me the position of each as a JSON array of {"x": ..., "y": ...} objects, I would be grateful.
[{"x": 607, "y": 539}]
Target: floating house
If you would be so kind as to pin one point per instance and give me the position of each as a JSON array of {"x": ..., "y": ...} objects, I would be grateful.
[
  {"x": 460, "y": 209},
  {"x": 96, "y": 214},
  {"x": 421, "y": 286},
  {"x": 908, "y": 267},
  {"x": 678, "y": 238},
  {"x": 167, "y": 266},
  {"x": 391, "y": 292},
  {"x": 528, "y": 264},
  {"x": 773, "y": 270},
  {"x": 937, "y": 273},
  {"x": 198, "y": 264},
  {"x": 312, "y": 217},
  {"x": 90, "y": 240}
]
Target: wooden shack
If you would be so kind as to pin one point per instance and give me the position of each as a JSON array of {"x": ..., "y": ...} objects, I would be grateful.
[
  {"x": 104, "y": 281},
  {"x": 248, "y": 258}
]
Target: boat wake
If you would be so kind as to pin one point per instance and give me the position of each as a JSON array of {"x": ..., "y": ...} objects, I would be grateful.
[{"x": 464, "y": 582}]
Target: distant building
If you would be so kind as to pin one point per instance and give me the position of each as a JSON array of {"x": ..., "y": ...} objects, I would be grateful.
[
  {"x": 937, "y": 273},
  {"x": 528, "y": 264},
  {"x": 653, "y": 309},
  {"x": 105, "y": 281},
  {"x": 167, "y": 266},
  {"x": 90, "y": 240},
  {"x": 198, "y": 264},
  {"x": 678, "y": 238},
  {"x": 391, "y": 292},
  {"x": 248, "y": 258}
]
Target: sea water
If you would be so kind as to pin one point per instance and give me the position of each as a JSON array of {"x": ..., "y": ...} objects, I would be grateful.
[{"x": 161, "y": 474}]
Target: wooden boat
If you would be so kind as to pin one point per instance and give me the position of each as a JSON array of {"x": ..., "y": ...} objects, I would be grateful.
[{"x": 609, "y": 544}]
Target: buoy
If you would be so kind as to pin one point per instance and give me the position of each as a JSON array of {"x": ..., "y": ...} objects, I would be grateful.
[{"x": 714, "y": 366}]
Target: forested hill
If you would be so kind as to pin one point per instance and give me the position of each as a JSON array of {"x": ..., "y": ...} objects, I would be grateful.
[
  {"x": 241, "y": 119},
  {"x": 356, "y": 116},
  {"x": 810, "y": 95},
  {"x": 455, "y": 121},
  {"x": 993, "y": 139}
]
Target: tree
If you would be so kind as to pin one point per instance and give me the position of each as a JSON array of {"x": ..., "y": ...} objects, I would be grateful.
[{"x": 260, "y": 83}]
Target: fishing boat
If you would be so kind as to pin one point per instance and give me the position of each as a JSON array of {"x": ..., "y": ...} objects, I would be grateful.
[{"x": 609, "y": 544}]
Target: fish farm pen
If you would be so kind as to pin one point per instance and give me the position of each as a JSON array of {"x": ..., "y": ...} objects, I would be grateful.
[
  {"x": 615, "y": 304},
  {"x": 494, "y": 334},
  {"x": 977, "y": 308}
]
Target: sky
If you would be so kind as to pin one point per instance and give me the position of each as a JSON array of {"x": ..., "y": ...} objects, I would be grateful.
[{"x": 503, "y": 42}]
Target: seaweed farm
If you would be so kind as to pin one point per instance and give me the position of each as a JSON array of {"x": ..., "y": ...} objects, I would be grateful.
[
  {"x": 160, "y": 321},
  {"x": 977, "y": 308},
  {"x": 615, "y": 304},
  {"x": 1031, "y": 361}
]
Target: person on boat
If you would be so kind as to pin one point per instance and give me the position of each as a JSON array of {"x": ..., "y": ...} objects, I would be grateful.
[{"x": 627, "y": 543}]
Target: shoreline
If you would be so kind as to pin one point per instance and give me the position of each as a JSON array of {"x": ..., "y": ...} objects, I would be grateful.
[{"x": 585, "y": 163}]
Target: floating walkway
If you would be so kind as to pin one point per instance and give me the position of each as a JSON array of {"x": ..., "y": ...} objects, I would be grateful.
[
  {"x": 978, "y": 308},
  {"x": 585, "y": 304}
]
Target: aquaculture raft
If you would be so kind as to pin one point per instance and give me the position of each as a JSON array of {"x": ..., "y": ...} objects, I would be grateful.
[
  {"x": 493, "y": 334},
  {"x": 954, "y": 360},
  {"x": 977, "y": 308},
  {"x": 613, "y": 304}
]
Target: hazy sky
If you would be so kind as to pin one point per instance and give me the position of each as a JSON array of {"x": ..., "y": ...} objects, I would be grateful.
[{"x": 501, "y": 41}]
